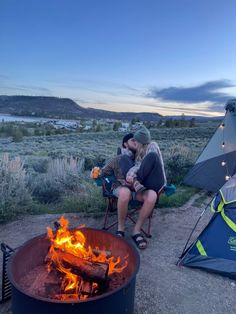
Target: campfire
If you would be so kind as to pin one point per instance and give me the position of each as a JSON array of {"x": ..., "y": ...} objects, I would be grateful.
[
  {"x": 82, "y": 270},
  {"x": 73, "y": 269},
  {"x": 86, "y": 271}
]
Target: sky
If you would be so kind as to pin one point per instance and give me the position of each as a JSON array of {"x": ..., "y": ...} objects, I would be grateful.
[{"x": 170, "y": 57}]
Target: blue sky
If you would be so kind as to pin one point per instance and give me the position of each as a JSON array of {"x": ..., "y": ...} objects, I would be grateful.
[{"x": 170, "y": 57}]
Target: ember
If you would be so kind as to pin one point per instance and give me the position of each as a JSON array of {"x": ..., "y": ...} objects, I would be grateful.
[{"x": 75, "y": 270}]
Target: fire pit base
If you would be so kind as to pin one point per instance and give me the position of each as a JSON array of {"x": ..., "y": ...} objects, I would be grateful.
[{"x": 119, "y": 302}]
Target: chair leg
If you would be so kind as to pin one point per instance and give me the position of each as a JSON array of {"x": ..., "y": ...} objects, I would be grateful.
[
  {"x": 109, "y": 208},
  {"x": 106, "y": 214},
  {"x": 148, "y": 235},
  {"x": 110, "y": 205}
]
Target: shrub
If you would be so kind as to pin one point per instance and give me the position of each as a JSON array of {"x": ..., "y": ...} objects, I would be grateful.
[
  {"x": 40, "y": 165},
  {"x": 63, "y": 176},
  {"x": 92, "y": 161},
  {"x": 88, "y": 201},
  {"x": 178, "y": 161},
  {"x": 14, "y": 195},
  {"x": 17, "y": 135}
]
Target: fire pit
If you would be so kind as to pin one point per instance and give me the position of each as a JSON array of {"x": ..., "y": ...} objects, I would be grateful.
[{"x": 47, "y": 278}]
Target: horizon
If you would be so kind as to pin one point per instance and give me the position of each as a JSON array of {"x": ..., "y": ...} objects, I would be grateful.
[
  {"x": 169, "y": 58},
  {"x": 174, "y": 115}
]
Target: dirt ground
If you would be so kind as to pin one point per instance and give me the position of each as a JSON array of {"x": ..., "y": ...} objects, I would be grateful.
[{"x": 161, "y": 286}]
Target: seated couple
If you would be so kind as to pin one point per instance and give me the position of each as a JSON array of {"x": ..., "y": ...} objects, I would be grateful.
[{"x": 139, "y": 174}]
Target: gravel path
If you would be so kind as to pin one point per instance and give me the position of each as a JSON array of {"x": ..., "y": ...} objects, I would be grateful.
[{"x": 161, "y": 286}]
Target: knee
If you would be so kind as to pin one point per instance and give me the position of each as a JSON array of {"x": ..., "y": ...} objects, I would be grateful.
[
  {"x": 124, "y": 194},
  {"x": 151, "y": 196}
]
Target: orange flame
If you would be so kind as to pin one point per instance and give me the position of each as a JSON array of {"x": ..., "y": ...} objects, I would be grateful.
[{"x": 74, "y": 242}]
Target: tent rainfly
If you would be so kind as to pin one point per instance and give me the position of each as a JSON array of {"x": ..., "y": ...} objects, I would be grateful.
[{"x": 217, "y": 162}]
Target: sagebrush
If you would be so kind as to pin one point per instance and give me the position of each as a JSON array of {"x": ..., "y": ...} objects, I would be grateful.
[{"x": 15, "y": 197}]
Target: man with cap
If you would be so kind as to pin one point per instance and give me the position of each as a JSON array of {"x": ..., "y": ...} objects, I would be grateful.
[
  {"x": 119, "y": 165},
  {"x": 128, "y": 146}
]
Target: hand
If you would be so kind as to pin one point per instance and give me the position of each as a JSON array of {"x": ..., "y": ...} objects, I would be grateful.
[{"x": 130, "y": 179}]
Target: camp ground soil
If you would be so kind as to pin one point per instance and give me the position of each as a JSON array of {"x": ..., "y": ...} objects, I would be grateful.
[{"x": 162, "y": 287}]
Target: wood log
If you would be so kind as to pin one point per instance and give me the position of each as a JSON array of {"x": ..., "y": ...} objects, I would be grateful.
[
  {"x": 89, "y": 271},
  {"x": 98, "y": 252},
  {"x": 86, "y": 288}
]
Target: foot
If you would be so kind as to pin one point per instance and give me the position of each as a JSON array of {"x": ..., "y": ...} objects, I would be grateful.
[
  {"x": 120, "y": 233},
  {"x": 139, "y": 240}
]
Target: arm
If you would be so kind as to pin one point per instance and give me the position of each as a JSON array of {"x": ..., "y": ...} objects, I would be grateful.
[
  {"x": 107, "y": 170},
  {"x": 132, "y": 173}
]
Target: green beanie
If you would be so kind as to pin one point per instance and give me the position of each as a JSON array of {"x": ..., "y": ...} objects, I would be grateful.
[{"x": 142, "y": 136}]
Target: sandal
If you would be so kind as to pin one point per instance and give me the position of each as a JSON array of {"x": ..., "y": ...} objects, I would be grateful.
[
  {"x": 120, "y": 233},
  {"x": 139, "y": 240}
]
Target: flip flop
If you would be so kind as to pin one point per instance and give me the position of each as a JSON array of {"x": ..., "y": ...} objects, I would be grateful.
[
  {"x": 120, "y": 233},
  {"x": 140, "y": 241}
]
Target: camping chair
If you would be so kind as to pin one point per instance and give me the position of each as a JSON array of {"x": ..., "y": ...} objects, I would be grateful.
[{"x": 134, "y": 206}]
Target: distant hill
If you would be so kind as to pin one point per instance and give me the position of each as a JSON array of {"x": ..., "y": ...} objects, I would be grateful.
[
  {"x": 55, "y": 107},
  {"x": 198, "y": 118}
]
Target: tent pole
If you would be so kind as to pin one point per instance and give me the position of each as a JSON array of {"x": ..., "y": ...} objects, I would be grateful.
[{"x": 199, "y": 218}]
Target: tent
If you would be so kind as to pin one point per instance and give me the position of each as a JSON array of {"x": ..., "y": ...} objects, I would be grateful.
[
  {"x": 217, "y": 162},
  {"x": 215, "y": 248}
]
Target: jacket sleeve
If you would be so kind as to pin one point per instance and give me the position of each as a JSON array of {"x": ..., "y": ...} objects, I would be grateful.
[
  {"x": 108, "y": 170},
  {"x": 133, "y": 171}
]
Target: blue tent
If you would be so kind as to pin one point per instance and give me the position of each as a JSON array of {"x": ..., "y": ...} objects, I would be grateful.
[{"x": 215, "y": 248}]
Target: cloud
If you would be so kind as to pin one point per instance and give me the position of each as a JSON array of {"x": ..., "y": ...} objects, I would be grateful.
[
  {"x": 99, "y": 87},
  {"x": 207, "y": 92},
  {"x": 25, "y": 89}
]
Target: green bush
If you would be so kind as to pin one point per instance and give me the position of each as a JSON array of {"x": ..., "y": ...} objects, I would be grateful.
[
  {"x": 14, "y": 194},
  {"x": 40, "y": 165},
  {"x": 63, "y": 176},
  {"x": 92, "y": 161},
  {"x": 178, "y": 160},
  {"x": 17, "y": 135},
  {"x": 89, "y": 201}
]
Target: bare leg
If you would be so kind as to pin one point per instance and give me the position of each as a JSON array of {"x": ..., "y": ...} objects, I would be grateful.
[
  {"x": 150, "y": 198},
  {"x": 122, "y": 206}
]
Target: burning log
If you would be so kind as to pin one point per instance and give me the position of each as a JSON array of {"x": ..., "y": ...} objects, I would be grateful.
[
  {"x": 89, "y": 271},
  {"x": 86, "y": 288},
  {"x": 98, "y": 252}
]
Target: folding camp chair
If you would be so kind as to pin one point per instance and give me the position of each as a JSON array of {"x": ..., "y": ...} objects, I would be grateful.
[
  {"x": 134, "y": 206},
  {"x": 111, "y": 206}
]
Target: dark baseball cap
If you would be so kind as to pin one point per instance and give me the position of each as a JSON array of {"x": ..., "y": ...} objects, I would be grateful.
[{"x": 127, "y": 137}]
